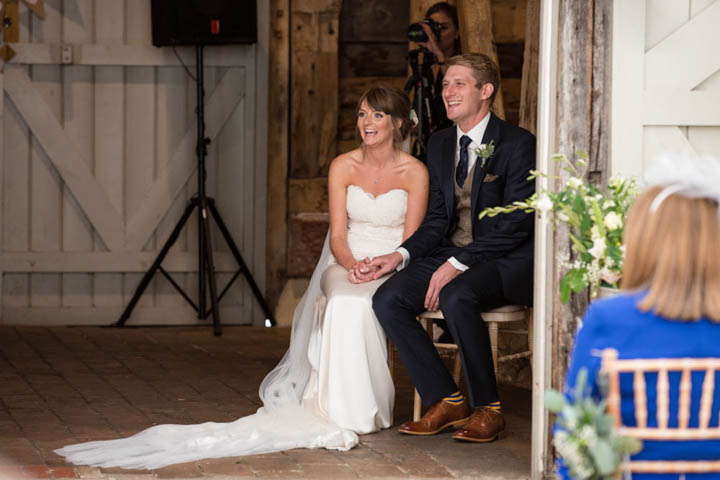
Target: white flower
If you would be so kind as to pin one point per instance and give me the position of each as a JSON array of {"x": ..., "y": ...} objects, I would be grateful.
[
  {"x": 544, "y": 204},
  {"x": 563, "y": 217},
  {"x": 574, "y": 182},
  {"x": 608, "y": 204},
  {"x": 594, "y": 233},
  {"x": 598, "y": 248},
  {"x": 613, "y": 221},
  {"x": 413, "y": 117},
  {"x": 608, "y": 276},
  {"x": 615, "y": 182}
]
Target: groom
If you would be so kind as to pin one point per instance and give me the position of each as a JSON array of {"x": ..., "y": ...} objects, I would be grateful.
[{"x": 460, "y": 264}]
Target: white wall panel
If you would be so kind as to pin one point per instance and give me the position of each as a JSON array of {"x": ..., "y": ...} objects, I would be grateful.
[{"x": 132, "y": 124}]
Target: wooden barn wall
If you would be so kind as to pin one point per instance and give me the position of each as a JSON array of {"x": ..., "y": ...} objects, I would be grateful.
[{"x": 98, "y": 164}]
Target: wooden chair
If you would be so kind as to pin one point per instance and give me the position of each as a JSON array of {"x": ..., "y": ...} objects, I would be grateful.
[
  {"x": 493, "y": 318},
  {"x": 613, "y": 367}
]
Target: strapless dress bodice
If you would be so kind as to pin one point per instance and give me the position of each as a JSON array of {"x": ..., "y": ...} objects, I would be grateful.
[{"x": 375, "y": 223}]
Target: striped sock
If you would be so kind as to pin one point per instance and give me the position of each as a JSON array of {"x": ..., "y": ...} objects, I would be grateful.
[
  {"x": 456, "y": 398},
  {"x": 495, "y": 406}
]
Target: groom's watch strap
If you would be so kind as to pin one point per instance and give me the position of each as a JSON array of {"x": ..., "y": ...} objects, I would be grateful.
[
  {"x": 406, "y": 258},
  {"x": 455, "y": 263}
]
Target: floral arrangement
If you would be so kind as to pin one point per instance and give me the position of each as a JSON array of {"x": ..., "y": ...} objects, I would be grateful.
[
  {"x": 595, "y": 219},
  {"x": 586, "y": 439},
  {"x": 485, "y": 151}
]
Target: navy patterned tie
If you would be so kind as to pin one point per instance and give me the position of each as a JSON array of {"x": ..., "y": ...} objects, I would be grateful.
[{"x": 461, "y": 172}]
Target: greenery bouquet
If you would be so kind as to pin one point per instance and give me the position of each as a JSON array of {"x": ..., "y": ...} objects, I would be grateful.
[{"x": 595, "y": 219}]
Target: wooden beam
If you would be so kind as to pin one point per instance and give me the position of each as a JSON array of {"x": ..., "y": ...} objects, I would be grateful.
[
  {"x": 278, "y": 142},
  {"x": 476, "y": 36},
  {"x": 11, "y": 34},
  {"x": 108, "y": 262},
  {"x": 131, "y": 55},
  {"x": 70, "y": 164},
  {"x": 529, "y": 87},
  {"x": 183, "y": 163},
  {"x": 583, "y": 104}
]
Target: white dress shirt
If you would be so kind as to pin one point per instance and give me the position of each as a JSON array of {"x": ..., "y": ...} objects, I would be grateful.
[{"x": 476, "y": 135}]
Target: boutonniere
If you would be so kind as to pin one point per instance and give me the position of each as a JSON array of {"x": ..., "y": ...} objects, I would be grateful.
[{"x": 485, "y": 151}]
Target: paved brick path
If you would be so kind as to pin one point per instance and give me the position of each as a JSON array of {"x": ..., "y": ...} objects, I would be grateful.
[{"x": 67, "y": 385}]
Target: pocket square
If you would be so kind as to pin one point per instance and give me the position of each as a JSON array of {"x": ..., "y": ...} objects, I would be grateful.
[{"x": 490, "y": 178}]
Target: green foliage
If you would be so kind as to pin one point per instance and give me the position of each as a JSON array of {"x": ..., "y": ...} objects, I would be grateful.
[
  {"x": 595, "y": 219},
  {"x": 587, "y": 440}
]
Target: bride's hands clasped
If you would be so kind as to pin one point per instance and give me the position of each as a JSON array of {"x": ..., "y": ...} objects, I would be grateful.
[{"x": 361, "y": 271}]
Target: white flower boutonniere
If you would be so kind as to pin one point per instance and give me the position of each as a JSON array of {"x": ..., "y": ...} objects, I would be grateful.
[{"x": 485, "y": 151}]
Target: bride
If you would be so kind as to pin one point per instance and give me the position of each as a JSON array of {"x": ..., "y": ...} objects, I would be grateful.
[{"x": 333, "y": 382}]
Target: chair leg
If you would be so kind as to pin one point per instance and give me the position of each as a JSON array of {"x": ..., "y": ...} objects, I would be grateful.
[
  {"x": 417, "y": 407},
  {"x": 493, "y": 331}
]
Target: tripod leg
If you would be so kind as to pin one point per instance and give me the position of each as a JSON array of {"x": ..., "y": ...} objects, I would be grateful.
[
  {"x": 238, "y": 258},
  {"x": 210, "y": 271},
  {"x": 156, "y": 264}
]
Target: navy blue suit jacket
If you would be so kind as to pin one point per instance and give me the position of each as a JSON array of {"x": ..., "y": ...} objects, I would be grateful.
[{"x": 506, "y": 239}]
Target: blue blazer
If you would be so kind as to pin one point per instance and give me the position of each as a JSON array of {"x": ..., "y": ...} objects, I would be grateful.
[{"x": 617, "y": 323}]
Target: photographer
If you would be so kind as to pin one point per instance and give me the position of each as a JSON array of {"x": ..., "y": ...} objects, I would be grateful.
[{"x": 443, "y": 43}]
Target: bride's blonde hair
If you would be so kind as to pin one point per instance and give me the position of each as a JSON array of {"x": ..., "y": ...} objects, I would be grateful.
[{"x": 391, "y": 101}]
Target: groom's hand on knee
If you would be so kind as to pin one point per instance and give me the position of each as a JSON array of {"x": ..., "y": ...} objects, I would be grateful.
[
  {"x": 442, "y": 276},
  {"x": 385, "y": 263}
]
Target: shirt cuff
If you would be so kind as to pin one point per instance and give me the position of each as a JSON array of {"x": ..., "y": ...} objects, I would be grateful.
[
  {"x": 460, "y": 266},
  {"x": 406, "y": 258}
]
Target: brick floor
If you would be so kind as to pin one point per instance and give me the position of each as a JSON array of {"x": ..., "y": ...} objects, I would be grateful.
[{"x": 67, "y": 385}]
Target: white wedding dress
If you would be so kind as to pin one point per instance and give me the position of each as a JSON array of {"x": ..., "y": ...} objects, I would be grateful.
[{"x": 332, "y": 383}]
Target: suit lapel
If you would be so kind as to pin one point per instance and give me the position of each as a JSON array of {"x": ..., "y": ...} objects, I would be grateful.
[
  {"x": 448, "y": 171},
  {"x": 492, "y": 133}
]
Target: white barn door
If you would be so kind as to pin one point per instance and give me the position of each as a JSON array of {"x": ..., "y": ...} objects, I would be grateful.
[
  {"x": 98, "y": 163},
  {"x": 666, "y": 80}
]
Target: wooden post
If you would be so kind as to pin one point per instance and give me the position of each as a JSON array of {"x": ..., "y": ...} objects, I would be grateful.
[
  {"x": 314, "y": 86},
  {"x": 278, "y": 148},
  {"x": 529, "y": 86},
  {"x": 11, "y": 33},
  {"x": 583, "y": 102},
  {"x": 476, "y": 35}
]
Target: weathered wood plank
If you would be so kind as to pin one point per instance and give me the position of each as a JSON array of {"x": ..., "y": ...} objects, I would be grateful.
[
  {"x": 308, "y": 195},
  {"x": 278, "y": 121},
  {"x": 109, "y": 133},
  {"x": 509, "y": 18},
  {"x": 80, "y": 262},
  {"x": 64, "y": 156},
  {"x": 529, "y": 87},
  {"x": 373, "y": 60},
  {"x": 157, "y": 198},
  {"x": 78, "y": 120},
  {"x": 314, "y": 87},
  {"x": 374, "y": 21},
  {"x": 476, "y": 27},
  {"x": 352, "y": 88}
]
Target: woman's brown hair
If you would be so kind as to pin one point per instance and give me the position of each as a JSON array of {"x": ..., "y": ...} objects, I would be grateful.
[
  {"x": 674, "y": 253},
  {"x": 391, "y": 101}
]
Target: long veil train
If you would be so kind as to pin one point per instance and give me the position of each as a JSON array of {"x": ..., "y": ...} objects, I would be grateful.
[{"x": 283, "y": 422}]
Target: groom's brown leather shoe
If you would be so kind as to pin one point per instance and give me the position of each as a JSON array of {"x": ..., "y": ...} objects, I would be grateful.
[
  {"x": 484, "y": 426},
  {"x": 442, "y": 415}
]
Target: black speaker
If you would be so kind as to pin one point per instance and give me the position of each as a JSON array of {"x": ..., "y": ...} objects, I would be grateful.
[{"x": 203, "y": 22}]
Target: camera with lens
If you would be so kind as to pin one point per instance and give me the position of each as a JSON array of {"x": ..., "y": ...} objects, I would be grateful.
[{"x": 417, "y": 34}]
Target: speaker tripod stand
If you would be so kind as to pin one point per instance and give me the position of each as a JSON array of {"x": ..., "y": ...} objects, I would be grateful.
[{"x": 206, "y": 207}]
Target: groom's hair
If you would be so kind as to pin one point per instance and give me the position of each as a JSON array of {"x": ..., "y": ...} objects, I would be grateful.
[{"x": 484, "y": 69}]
